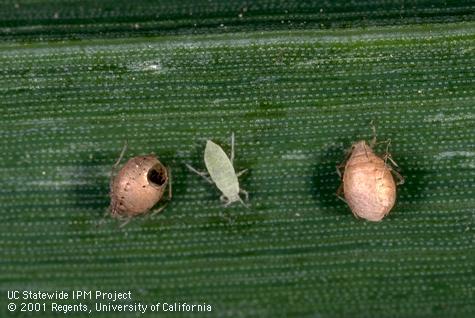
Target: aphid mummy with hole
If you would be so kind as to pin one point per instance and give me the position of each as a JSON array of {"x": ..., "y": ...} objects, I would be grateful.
[
  {"x": 138, "y": 186},
  {"x": 368, "y": 185},
  {"x": 221, "y": 172}
]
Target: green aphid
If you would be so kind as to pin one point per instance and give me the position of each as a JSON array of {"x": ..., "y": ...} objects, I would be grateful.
[{"x": 221, "y": 172}]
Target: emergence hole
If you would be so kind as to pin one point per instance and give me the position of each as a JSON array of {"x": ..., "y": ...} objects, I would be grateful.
[{"x": 157, "y": 175}]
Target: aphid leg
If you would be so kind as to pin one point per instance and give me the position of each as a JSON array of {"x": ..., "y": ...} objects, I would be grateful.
[
  {"x": 232, "y": 147},
  {"x": 204, "y": 175},
  {"x": 242, "y": 202},
  {"x": 160, "y": 209},
  {"x": 240, "y": 173},
  {"x": 400, "y": 178},
  {"x": 339, "y": 193},
  {"x": 340, "y": 169},
  {"x": 127, "y": 220},
  {"x": 246, "y": 194},
  {"x": 387, "y": 156},
  {"x": 355, "y": 215}
]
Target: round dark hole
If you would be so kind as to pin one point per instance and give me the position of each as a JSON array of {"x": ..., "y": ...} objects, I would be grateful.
[{"x": 156, "y": 175}]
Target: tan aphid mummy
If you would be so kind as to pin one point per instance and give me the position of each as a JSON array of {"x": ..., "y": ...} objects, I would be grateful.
[
  {"x": 368, "y": 185},
  {"x": 138, "y": 186}
]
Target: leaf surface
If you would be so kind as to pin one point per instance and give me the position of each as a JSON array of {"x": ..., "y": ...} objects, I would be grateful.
[{"x": 296, "y": 96}]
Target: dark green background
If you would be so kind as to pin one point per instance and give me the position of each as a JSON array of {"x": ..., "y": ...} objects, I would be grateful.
[{"x": 297, "y": 82}]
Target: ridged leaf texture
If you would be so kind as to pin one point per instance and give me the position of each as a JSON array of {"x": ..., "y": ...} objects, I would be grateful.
[{"x": 297, "y": 82}]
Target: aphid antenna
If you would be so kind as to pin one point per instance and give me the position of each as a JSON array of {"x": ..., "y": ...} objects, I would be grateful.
[
  {"x": 373, "y": 128},
  {"x": 116, "y": 164},
  {"x": 374, "y": 141},
  {"x": 122, "y": 153},
  {"x": 232, "y": 148}
]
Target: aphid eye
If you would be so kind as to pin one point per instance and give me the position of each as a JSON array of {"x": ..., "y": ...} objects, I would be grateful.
[{"x": 157, "y": 175}]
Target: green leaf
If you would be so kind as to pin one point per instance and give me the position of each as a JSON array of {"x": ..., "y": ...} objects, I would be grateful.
[{"x": 296, "y": 94}]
